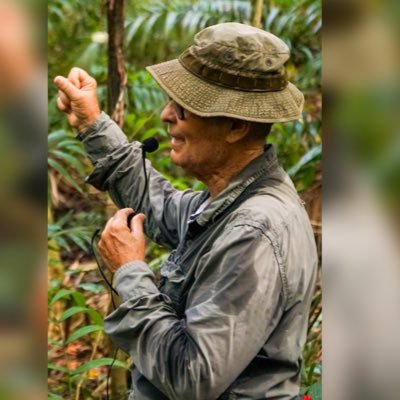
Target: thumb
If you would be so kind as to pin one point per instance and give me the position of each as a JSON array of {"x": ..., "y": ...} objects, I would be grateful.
[
  {"x": 67, "y": 87},
  {"x": 137, "y": 224}
]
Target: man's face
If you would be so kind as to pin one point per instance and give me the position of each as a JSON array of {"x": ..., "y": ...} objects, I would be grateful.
[{"x": 198, "y": 144}]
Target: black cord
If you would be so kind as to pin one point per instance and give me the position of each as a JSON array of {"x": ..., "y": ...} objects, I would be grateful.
[
  {"x": 109, "y": 374},
  {"x": 92, "y": 242},
  {"x": 112, "y": 290},
  {"x": 145, "y": 179}
]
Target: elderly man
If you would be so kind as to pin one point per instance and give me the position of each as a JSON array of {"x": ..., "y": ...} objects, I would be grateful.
[{"x": 228, "y": 319}]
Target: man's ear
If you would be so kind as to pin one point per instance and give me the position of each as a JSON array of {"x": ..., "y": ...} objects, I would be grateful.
[{"x": 238, "y": 130}]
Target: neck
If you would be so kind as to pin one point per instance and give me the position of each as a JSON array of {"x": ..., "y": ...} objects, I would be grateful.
[{"x": 218, "y": 181}]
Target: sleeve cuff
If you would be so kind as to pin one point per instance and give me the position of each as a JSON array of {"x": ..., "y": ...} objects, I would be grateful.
[
  {"x": 102, "y": 138},
  {"x": 134, "y": 279},
  {"x": 94, "y": 127}
]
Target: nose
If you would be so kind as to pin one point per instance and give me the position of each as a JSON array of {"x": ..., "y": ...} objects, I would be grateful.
[{"x": 168, "y": 114}]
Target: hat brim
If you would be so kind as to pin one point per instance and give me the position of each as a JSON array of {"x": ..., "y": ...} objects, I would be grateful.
[{"x": 210, "y": 100}]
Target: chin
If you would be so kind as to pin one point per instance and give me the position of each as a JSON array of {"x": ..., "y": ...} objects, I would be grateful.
[
  {"x": 186, "y": 165},
  {"x": 174, "y": 157}
]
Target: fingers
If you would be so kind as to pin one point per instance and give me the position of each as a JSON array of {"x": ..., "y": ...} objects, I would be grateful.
[
  {"x": 73, "y": 77},
  {"x": 62, "y": 106},
  {"x": 67, "y": 87},
  {"x": 137, "y": 225},
  {"x": 81, "y": 79},
  {"x": 78, "y": 98},
  {"x": 63, "y": 102},
  {"x": 119, "y": 220},
  {"x": 121, "y": 216},
  {"x": 64, "y": 98}
]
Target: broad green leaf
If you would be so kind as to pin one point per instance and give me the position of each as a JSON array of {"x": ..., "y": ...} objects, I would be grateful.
[
  {"x": 54, "y": 342},
  {"x": 69, "y": 159},
  {"x": 64, "y": 173},
  {"x": 65, "y": 218},
  {"x": 53, "y": 396},
  {"x": 55, "y": 136},
  {"x": 191, "y": 20},
  {"x": 150, "y": 23},
  {"x": 79, "y": 299},
  {"x": 58, "y": 368},
  {"x": 79, "y": 241},
  {"x": 60, "y": 294},
  {"x": 69, "y": 142},
  {"x": 91, "y": 287},
  {"x": 72, "y": 311},
  {"x": 309, "y": 156},
  {"x": 271, "y": 17},
  {"x": 83, "y": 331},
  {"x": 61, "y": 242},
  {"x": 133, "y": 26},
  {"x": 317, "y": 27},
  {"x": 170, "y": 22},
  {"x": 100, "y": 362},
  {"x": 94, "y": 315}
]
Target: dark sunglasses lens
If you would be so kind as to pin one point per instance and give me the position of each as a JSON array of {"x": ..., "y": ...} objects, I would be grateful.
[{"x": 180, "y": 111}]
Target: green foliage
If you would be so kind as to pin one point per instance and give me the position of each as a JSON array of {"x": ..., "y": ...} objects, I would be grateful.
[
  {"x": 64, "y": 154},
  {"x": 66, "y": 231},
  {"x": 78, "y": 298},
  {"x": 315, "y": 390},
  {"x": 75, "y": 307},
  {"x": 299, "y": 149},
  {"x": 299, "y": 25},
  {"x": 164, "y": 28},
  {"x": 84, "y": 330},
  {"x": 72, "y": 26},
  {"x": 96, "y": 317}
]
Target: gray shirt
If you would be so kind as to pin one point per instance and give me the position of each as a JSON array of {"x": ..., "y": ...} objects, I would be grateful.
[{"x": 228, "y": 320}]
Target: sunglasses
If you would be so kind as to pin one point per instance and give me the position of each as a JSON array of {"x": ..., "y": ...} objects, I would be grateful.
[{"x": 179, "y": 110}]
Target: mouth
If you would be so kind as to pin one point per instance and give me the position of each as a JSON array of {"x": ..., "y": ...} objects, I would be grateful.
[{"x": 176, "y": 139}]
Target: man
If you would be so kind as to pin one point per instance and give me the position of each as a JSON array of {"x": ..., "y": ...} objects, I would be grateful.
[{"x": 228, "y": 319}]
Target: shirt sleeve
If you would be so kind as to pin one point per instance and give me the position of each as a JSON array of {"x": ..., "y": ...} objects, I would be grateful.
[
  {"x": 233, "y": 306},
  {"x": 118, "y": 169}
]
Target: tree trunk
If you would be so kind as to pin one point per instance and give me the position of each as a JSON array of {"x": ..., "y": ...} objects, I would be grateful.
[
  {"x": 116, "y": 67},
  {"x": 257, "y": 13},
  {"x": 117, "y": 80}
]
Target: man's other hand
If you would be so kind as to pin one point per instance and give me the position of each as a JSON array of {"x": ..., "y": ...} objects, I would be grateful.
[
  {"x": 78, "y": 98},
  {"x": 120, "y": 244}
]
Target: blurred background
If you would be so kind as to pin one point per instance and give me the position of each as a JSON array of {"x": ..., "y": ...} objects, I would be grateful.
[
  {"x": 23, "y": 126},
  {"x": 360, "y": 207},
  {"x": 361, "y": 200}
]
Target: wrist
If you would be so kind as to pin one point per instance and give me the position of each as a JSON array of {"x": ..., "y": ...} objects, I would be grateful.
[
  {"x": 85, "y": 125},
  {"x": 126, "y": 261}
]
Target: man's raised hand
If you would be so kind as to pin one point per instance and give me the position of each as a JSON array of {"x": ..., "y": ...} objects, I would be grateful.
[{"x": 78, "y": 98}]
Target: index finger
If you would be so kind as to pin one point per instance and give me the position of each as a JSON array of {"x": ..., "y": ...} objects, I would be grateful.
[
  {"x": 121, "y": 216},
  {"x": 78, "y": 77},
  {"x": 67, "y": 87},
  {"x": 73, "y": 77}
]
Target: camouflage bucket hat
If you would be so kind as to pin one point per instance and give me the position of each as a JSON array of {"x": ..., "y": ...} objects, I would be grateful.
[{"x": 232, "y": 70}]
